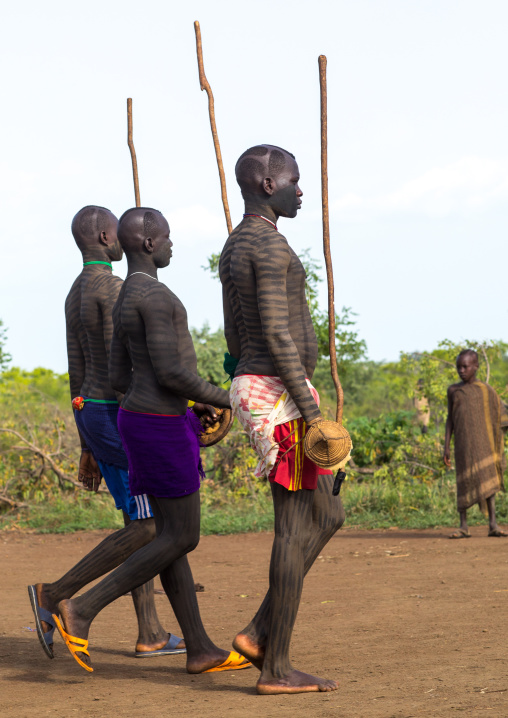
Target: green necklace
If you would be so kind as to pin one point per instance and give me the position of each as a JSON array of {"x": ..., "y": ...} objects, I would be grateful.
[{"x": 108, "y": 264}]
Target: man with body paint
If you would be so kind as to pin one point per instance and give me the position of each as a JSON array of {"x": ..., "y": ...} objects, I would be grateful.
[
  {"x": 153, "y": 364},
  {"x": 88, "y": 313},
  {"x": 269, "y": 331}
]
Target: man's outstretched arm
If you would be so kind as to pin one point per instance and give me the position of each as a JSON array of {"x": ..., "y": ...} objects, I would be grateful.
[{"x": 271, "y": 269}]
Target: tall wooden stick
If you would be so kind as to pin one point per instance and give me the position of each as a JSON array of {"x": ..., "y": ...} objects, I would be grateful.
[
  {"x": 133, "y": 152},
  {"x": 205, "y": 85},
  {"x": 326, "y": 237}
]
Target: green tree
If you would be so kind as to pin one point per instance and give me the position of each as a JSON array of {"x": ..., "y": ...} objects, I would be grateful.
[
  {"x": 430, "y": 373},
  {"x": 350, "y": 349},
  {"x": 213, "y": 265},
  {"x": 210, "y": 348}
]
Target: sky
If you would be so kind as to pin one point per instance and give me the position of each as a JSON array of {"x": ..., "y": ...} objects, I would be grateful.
[{"x": 418, "y": 152}]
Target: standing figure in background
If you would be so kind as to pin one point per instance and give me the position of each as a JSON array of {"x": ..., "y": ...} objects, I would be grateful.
[
  {"x": 88, "y": 313},
  {"x": 269, "y": 331},
  {"x": 421, "y": 404},
  {"x": 478, "y": 418}
]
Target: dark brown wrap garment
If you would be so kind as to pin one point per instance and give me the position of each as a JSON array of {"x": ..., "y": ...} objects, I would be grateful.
[{"x": 479, "y": 417}]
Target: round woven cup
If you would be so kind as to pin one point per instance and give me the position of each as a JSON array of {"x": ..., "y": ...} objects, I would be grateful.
[
  {"x": 213, "y": 434},
  {"x": 327, "y": 443}
]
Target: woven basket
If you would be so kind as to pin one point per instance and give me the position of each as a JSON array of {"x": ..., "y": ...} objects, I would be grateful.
[
  {"x": 213, "y": 434},
  {"x": 327, "y": 443}
]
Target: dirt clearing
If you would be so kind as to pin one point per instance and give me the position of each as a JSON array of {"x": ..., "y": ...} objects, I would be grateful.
[{"x": 409, "y": 622}]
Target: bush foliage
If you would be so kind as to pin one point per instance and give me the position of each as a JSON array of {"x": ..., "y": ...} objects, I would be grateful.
[{"x": 396, "y": 477}]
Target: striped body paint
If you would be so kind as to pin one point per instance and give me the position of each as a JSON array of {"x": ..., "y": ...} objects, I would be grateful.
[
  {"x": 89, "y": 325},
  {"x": 268, "y": 327},
  {"x": 266, "y": 318}
]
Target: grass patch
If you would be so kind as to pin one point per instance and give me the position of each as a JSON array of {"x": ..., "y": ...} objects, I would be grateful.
[
  {"x": 369, "y": 505},
  {"x": 377, "y": 504},
  {"x": 87, "y": 512},
  {"x": 83, "y": 512},
  {"x": 242, "y": 516}
]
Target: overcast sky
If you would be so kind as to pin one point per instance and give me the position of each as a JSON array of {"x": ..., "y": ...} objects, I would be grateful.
[{"x": 418, "y": 151}]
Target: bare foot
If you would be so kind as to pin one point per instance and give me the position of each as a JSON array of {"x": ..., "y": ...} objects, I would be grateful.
[
  {"x": 246, "y": 646},
  {"x": 295, "y": 682},
  {"x": 74, "y": 624},
  {"x": 147, "y": 647},
  {"x": 44, "y": 601},
  {"x": 212, "y": 659}
]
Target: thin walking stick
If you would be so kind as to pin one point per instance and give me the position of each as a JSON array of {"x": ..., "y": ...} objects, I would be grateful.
[
  {"x": 205, "y": 85},
  {"x": 328, "y": 443},
  {"x": 133, "y": 152},
  {"x": 326, "y": 238}
]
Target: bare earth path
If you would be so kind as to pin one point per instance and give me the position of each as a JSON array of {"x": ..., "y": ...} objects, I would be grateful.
[{"x": 409, "y": 622}]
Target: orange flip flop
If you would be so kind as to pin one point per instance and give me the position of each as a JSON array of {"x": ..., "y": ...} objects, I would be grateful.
[
  {"x": 234, "y": 662},
  {"x": 74, "y": 644}
]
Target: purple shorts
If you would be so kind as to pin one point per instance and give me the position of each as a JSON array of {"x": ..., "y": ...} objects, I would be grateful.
[{"x": 163, "y": 453}]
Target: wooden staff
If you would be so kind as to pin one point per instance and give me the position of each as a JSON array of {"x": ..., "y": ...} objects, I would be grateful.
[
  {"x": 133, "y": 152},
  {"x": 326, "y": 238},
  {"x": 205, "y": 85},
  {"x": 327, "y": 443}
]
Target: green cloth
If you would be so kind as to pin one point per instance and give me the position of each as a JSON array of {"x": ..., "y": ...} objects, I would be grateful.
[{"x": 230, "y": 364}]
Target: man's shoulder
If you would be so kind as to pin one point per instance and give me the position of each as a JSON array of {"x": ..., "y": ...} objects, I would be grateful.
[
  {"x": 453, "y": 388},
  {"x": 270, "y": 245},
  {"x": 75, "y": 287},
  {"x": 100, "y": 289},
  {"x": 147, "y": 292},
  {"x": 103, "y": 284},
  {"x": 143, "y": 284},
  {"x": 490, "y": 389}
]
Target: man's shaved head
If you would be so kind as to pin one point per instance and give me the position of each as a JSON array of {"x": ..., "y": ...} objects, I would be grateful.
[
  {"x": 470, "y": 353},
  {"x": 259, "y": 162},
  {"x": 88, "y": 224},
  {"x": 145, "y": 231},
  {"x": 138, "y": 224}
]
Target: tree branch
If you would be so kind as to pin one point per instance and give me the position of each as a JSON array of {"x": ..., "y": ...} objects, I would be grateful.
[
  {"x": 367, "y": 470},
  {"x": 431, "y": 356},
  {"x": 13, "y": 504},
  {"x": 486, "y": 362},
  {"x": 61, "y": 475}
]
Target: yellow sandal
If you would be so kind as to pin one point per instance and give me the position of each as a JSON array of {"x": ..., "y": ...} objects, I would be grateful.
[
  {"x": 74, "y": 644},
  {"x": 233, "y": 662}
]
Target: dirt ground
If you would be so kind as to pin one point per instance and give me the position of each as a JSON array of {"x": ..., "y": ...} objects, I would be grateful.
[{"x": 409, "y": 623}]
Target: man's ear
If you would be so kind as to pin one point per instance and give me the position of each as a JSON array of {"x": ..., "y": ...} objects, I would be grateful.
[
  {"x": 103, "y": 238},
  {"x": 148, "y": 245},
  {"x": 269, "y": 185}
]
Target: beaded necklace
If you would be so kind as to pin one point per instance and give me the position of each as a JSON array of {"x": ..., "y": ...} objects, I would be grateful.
[
  {"x": 146, "y": 275},
  {"x": 108, "y": 264},
  {"x": 261, "y": 217}
]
